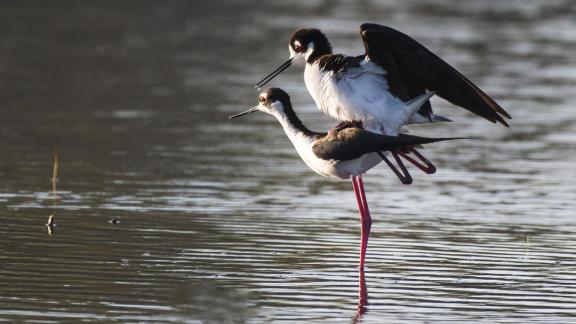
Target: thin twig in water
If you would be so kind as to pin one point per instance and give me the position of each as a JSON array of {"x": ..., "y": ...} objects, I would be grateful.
[
  {"x": 55, "y": 173},
  {"x": 51, "y": 224}
]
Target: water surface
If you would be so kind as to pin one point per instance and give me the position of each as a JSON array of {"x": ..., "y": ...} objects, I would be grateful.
[{"x": 219, "y": 221}]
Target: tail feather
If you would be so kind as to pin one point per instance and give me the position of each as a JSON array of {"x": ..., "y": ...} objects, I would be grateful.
[
  {"x": 388, "y": 143},
  {"x": 413, "y": 105}
]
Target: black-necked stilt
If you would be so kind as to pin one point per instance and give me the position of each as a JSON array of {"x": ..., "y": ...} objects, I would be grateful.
[
  {"x": 371, "y": 87},
  {"x": 343, "y": 153}
]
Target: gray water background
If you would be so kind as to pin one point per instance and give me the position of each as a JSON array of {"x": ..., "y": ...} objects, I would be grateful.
[{"x": 219, "y": 221}]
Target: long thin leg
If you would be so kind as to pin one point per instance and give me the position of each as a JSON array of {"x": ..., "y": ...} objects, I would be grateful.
[
  {"x": 405, "y": 176},
  {"x": 366, "y": 221},
  {"x": 367, "y": 218},
  {"x": 408, "y": 177},
  {"x": 427, "y": 167},
  {"x": 361, "y": 210},
  {"x": 358, "y": 197}
]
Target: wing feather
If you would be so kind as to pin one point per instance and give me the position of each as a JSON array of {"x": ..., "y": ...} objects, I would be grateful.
[
  {"x": 413, "y": 68},
  {"x": 352, "y": 143}
]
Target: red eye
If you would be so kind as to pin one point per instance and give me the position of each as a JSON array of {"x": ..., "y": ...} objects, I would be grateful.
[
  {"x": 262, "y": 99},
  {"x": 298, "y": 48}
]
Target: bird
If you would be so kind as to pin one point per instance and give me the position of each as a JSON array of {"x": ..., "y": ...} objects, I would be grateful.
[
  {"x": 372, "y": 87},
  {"x": 342, "y": 153}
]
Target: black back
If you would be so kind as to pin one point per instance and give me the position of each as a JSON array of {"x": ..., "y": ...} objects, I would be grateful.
[
  {"x": 339, "y": 63},
  {"x": 351, "y": 143}
]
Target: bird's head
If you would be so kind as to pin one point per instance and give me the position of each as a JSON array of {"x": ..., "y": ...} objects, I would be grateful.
[
  {"x": 273, "y": 101},
  {"x": 306, "y": 44}
]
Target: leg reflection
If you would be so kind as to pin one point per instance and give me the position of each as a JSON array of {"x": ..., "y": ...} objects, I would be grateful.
[{"x": 362, "y": 298}]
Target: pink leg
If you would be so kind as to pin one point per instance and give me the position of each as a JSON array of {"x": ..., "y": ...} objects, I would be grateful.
[
  {"x": 427, "y": 167},
  {"x": 366, "y": 221},
  {"x": 358, "y": 197}
]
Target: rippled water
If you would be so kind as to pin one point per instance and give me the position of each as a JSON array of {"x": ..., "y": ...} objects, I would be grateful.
[{"x": 219, "y": 221}]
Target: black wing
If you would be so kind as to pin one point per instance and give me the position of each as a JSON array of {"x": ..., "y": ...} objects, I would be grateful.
[
  {"x": 352, "y": 143},
  {"x": 412, "y": 69}
]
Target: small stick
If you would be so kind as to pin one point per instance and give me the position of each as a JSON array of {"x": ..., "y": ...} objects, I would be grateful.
[
  {"x": 55, "y": 173},
  {"x": 50, "y": 224}
]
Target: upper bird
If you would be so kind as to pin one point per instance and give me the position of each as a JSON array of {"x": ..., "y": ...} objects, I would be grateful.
[{"x": 373, "y": 87}]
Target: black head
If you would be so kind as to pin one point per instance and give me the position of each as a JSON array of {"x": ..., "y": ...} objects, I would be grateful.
[
  {"x": 305, "y": 44},
  {"x": 271, "y": 101},
  {"x": 275, "y": 99},
  {"x": 276, "y": 102},
  {"x": 271, "y": 95},
  {"x": 305, "y": 39}
]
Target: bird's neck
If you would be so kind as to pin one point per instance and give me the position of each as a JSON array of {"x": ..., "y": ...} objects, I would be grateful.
[
  {"x": 293, "y": 126},
  {"x": 319, "y": 51}
]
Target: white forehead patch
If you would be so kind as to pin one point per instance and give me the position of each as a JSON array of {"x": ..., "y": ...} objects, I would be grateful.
[
  {"x": 292, "y": 52},
  {"x": 297, "y": 43}
]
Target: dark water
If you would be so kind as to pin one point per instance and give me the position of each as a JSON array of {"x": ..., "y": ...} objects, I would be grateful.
[{"x": 219, "y": 221}]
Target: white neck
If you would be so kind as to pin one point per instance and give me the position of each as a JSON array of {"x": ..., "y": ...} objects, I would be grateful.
[
  {"x": 301, "y": 141},
  {"x": 288, "y": 127}
]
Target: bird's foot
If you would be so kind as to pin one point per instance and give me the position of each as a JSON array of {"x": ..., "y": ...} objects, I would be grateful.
[{"x": 423, "y": 164}]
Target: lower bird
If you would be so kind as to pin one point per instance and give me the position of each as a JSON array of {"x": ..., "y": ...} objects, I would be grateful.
[{"x": 343, "y": 153}]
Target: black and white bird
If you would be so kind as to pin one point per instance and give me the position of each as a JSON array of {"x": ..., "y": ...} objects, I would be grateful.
[
  {"x": 374, "y": 87},
  {"x": 342, "y": 153}
]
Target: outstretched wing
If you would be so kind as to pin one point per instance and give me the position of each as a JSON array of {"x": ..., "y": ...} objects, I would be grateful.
[
  {"x": 352, "y": 143},
  {"x": 412, "y": 69}
]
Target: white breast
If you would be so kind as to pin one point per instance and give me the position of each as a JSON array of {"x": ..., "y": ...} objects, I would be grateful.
[
  {"x": 358, "y": 94},
  {"x": 331, "y": 168},
  {"x": 303, "y": 146}
]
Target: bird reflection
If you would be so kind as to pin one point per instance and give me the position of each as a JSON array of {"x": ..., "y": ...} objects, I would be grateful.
[{"x": 362, "y": 298}]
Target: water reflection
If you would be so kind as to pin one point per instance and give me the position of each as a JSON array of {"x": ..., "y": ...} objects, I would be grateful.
[{"x": 362, "y": 297}]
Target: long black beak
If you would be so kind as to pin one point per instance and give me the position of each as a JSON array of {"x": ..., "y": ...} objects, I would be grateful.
[
  {"x": 272, "y": 75},
  {"x": 249, "y": 111}
]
